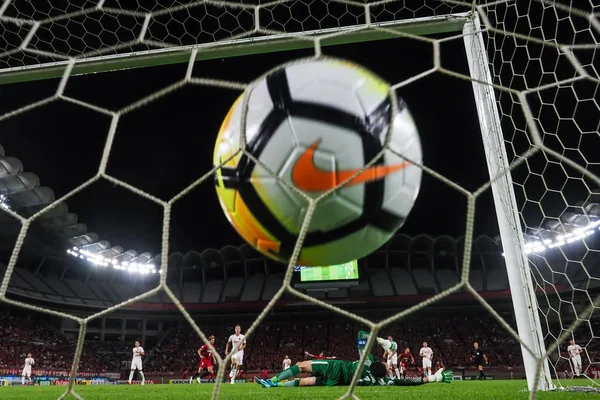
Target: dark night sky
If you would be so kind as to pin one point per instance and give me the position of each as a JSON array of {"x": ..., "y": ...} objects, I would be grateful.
[{"x": 166, "y": 145}]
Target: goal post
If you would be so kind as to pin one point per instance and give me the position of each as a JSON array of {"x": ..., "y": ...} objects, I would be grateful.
[{"x": 517, "y": 266}]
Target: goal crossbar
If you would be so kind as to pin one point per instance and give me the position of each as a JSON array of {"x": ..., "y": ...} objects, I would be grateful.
[{"x": 239, "y": 47}]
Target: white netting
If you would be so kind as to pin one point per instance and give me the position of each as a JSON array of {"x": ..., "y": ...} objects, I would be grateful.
[
  {"x": 543, "y": 63},
  {"x": 550, "y": 66}
]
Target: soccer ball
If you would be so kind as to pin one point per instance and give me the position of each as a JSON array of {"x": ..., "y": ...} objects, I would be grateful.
[{"x": 315, "y": 124}]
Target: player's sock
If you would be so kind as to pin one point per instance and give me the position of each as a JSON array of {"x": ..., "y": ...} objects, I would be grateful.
[
  {"x": 143, "y": 378},
  {"x": 130, "y": 375},
  {"x": 204, "y": 374},
  {"x": 22, "y": 380},
  {"x": 286, "y": 374},
  {"x": 408, "y": 381},
  {"x": 290, "y": 383},
  {"x": 397, "y": 372},
  {"x": 197, "y": 374}
]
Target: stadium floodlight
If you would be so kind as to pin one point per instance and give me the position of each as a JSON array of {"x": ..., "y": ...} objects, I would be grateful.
[
  {"x": 21, "y": 192},
  {"x": 88, "y": 251},
  {"x": 533, "y": 69},
  {"x": 111, "y": 261},
  {"x": 533, "y": 245}
]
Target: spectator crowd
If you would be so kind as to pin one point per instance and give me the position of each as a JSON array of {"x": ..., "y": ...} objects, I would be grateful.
[
  {"x": 50, "y": 348},
  {"x": 450, "y": 338}
]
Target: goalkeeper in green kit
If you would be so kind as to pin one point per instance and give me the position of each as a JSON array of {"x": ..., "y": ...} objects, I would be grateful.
[{"x": 340, "y": 373}]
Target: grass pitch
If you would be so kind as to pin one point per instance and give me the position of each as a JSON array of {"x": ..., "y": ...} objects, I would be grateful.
[{"x": 472, "y": 390}]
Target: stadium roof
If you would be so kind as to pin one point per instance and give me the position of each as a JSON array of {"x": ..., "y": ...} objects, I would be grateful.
[{"x": 22, "y": 192}]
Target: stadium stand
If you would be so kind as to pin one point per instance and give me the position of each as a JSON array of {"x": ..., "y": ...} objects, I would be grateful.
[
  {"x": 451, "y": 338},
  {"x": 405, "y": 267},
  {"x": 406, "y": 270},
  {"x": 52, "y": 350}
]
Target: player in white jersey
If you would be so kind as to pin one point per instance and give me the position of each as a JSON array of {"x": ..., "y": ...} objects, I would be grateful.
[
  {"x": 286, "y": 363},
  {"x": 390, "y": 349},
  {"x": 391, "y": 354},
  {"x": 575, "y": 354},
  {"x": 136, "y": 362},
  {"x": 426, "y": 355},
  {"x": 238, "y": 344},
  {"x": 29, "y": 362}
]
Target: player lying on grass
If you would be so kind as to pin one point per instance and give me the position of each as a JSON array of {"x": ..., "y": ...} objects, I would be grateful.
[{"x": 340, "y": 373}]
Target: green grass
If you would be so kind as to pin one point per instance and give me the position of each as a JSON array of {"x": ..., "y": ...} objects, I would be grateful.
[{"x": 496, "y": 390}]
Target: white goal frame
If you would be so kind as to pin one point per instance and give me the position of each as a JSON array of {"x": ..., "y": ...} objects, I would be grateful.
[
  {"x": 467, "y": 24},
  {"x": 511, "y": 233}
]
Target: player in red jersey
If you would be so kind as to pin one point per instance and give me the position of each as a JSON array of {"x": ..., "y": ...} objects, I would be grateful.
[
  {"x": 406, "y": 359},
  {"x": 206, "y": 362},
  {"x": 439, "y": 364}
]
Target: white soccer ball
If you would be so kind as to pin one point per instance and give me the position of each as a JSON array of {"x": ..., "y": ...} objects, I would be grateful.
[{"x": 315, "y": 124}]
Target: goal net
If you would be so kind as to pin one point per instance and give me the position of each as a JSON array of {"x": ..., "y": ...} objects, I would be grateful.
[{"x": 532, "y": 68}]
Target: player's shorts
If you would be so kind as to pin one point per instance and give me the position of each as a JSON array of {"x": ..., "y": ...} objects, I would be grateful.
[
  {"x": 239, "y": 357},
  {"x": 393, "y": 360},
  {"x": 26, "y": 371},
  {"x": 426, "y": 363},
  {"x": 205, "y": 362},
  {"x": 332, "y": 372},
  {"x": 136, "y": 364}
]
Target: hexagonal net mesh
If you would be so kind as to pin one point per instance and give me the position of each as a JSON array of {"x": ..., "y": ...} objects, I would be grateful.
[
  {"x": 550, "y": 65},
  {"x": 534, "y": 69}
]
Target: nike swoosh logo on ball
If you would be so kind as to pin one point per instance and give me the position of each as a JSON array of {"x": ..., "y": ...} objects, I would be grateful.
[{"x": 308, "y": 177}]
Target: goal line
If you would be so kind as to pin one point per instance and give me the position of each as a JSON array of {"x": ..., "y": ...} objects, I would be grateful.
[{"x": 270, "y": 43}]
